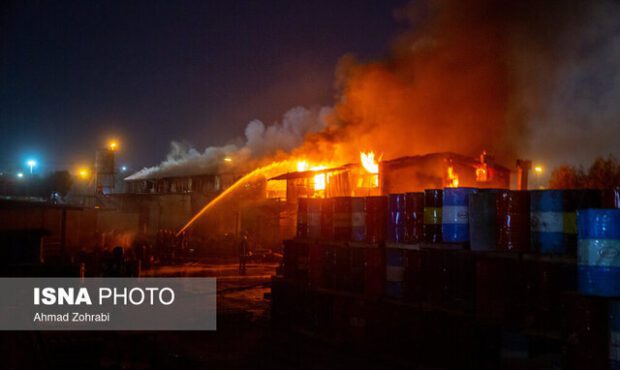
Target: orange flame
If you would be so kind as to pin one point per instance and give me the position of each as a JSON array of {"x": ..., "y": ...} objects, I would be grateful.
[
  {"x": 372, "y": 167},
  {"x": 481, "y": 174},
  {"x": 453, "y": 178},
  {"x": 319, "y": 180},
  {"x": 369, "y": 163}
]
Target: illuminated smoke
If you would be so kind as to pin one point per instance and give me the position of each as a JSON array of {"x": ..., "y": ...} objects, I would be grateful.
[
  {"x": 529, "y": 78},
  {"x": 261, "y": 141}
]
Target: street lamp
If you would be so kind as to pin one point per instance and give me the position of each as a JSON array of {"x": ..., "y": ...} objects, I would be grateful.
[
  {"x": 32, "y": 164},
  {"x": 538, "y": 170}
]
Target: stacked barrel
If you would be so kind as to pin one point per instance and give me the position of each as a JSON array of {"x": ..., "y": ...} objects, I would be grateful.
[{"x": 549, "y": 259}]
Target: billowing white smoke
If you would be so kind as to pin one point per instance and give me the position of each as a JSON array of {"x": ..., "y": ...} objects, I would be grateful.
[
  {"x": 580, "y": 119},
  {"x": 260, "y": 141}
]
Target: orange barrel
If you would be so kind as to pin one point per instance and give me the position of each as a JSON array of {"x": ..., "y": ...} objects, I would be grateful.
[
  {"x": 433, "y": 199},
  {"x": 358, "y": 219},
  {"x": 327, "y": 219},
  {"x": 342, "y": 218},
  {"x": 376, "y": 219},
  {"x": 302, "y": 218},
  {"x": 513, "y": 220},
  {"x": 483, "y": 220},
  {"x": 396, "y": 218},
  {"x": 314, "y": 218},
  {"x": 414, "y": 218}
]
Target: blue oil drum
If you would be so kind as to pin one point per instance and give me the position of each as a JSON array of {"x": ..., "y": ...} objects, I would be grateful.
[
  {"x": 614, "y": 334},
  {"x": 397, "y": 218},
  {"x": 455, "y": 214},
  {"x": 553, "y": 218},
  {"x": 394, "y": 272},
  {"x": 598, "y": 252},
  {"x": 552, "y": 226},
  {"x": 358, "y": 219}
]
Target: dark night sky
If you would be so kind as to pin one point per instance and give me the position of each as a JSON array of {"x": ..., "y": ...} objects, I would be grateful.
[{"x": 73, "y": 73}]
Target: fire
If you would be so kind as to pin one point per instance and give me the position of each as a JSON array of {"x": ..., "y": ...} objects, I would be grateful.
[
  {"x": 371, "y": 166},
  {"x": 453, "y": 178},
  {"x": 319, "y": 180},
  {"x": 302, "y": 166},
  {"x": 481, "y": 174},
  {"x": 369, "y": 163}
]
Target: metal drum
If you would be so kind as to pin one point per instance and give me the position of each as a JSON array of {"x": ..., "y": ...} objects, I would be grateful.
[
  {"x": 314, "y": 218},
  {"x": 376, "y": 219},
  {"x": 611, "y": 198},
  {"x": 483, "y": 220},
  {"x": 342, "y": 218},
  {"x": 455, "y": 214},
  {"x": 553, "y": 218},
  {"x": 598, "y": 252},
  {"x": 397, "y": 218},
  {"x": 327, "y": 219},
  {"x": 374, "y": 272},
  {"x": 513, "y": 220},
  {"x": 414, "y": 218},
  {"x": 358, "y": 219},
  {"x": 394, "y": 272},
  {"x": 433, "y": 199},
  {"x": 302, "y": 218}
]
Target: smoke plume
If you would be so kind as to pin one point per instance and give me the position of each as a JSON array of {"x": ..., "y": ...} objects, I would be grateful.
[
  {"x": 261, "y": 141},
  {"x": 529, "y": 78}
]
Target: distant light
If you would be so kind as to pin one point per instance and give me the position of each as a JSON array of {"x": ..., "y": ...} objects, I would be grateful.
[
  {"x": 20, "y": 175},
  {"x": 123, "y": 168},
  {"x": 32, "y": 164},
  {"x": 83, "y": 173},
  {"x": 228, "y": 159},
  {"x": 538, "y": 169},
  {"x": 113, "y": 145}
]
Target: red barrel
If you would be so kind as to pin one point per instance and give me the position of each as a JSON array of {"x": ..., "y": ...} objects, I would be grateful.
[
  {"x": 342, "y": 218},
  {"x": 414, "y": 218},
  {"x": 376, "y": 219},
  {"x": 302, "y": 218},
  {"x": 327, "y": 219},
  {"x": 433, "y": 200},
  {"x": 513, "y": 220},
  {"x": 314, "y": 218}
]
